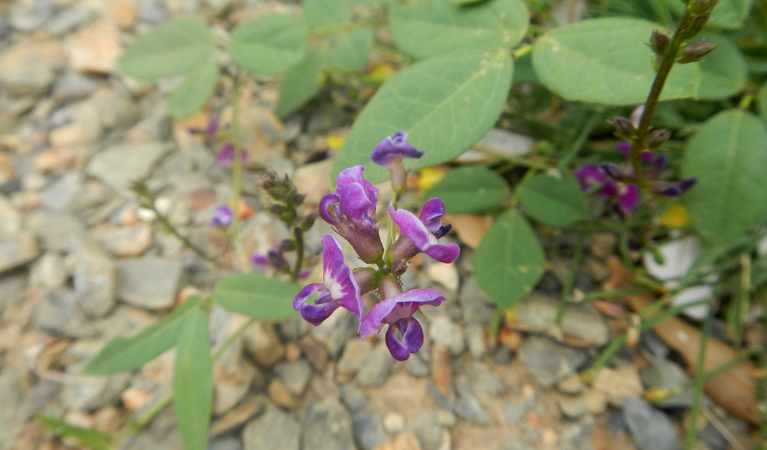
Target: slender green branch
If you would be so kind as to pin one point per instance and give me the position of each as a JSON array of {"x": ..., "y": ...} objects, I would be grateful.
[
  {"x": 762, "y": 383},
  {"x": 346, "y": 27},
  {"x": 700, "y": 381},
  {"x": 511, "y": 158},
  {"x": 237, "y": 170},
  {"x": 568, "y": 287},
  {"x": 522, "y": 51},
  {"x": 298, "y": 237},
  {"x": 575, "y": 146},
  {"x": 614, "y": 294}
]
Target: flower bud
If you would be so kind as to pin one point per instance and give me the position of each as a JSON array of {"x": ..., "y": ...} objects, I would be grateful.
[
  {"x": 696, "y": 26},
  {"x": 701, "y": 7},
  {"x": 286, "y": 245},
  {"x": 277, "y": 260},
  {"x": 623, "y": 127},
  {"x": 658, "y": 137},
  {"x": 696, "y": 50},
  {"x": 308, "y": 221},
  {"x": 659, "y": 42}
]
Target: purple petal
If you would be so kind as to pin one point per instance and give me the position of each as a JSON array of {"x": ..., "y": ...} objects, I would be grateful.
[
  {"x": 355, "y": 204},
  {"x": 225, "y": 155},
  {"x": 338, "y": 278},
  {"x": 317, "y": 313},
  {"x": 326, "y": 202},
  {"x": 420, "y": 236},
  {"x": 431, "y": 213},
  {"x": 628, "y": 198},
  {"x": 398, "y": 307},
  {"x": 305, "y": 293},
  {"x": 353, "y": 175},
  {"x": 212, "y": 128},
  {"x": 222, "y": 217},
  {"x": 672, "y": 189},
  {"x": 623, "y": 147},
  {"x": 412, "y": 338},
  {"x": 589, "y": 175},
  {"x": 259, "y": 259},
  {"x": 394, "y": 147}
]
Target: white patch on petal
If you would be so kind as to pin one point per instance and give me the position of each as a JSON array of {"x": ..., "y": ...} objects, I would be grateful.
[{"x": 335, "y": 288}]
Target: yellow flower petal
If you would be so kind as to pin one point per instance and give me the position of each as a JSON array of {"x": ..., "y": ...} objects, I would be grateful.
[
  {"x": 334, "y": 142},
  {"x": 675, "y": 216},
  {"x": 429, "y": 177}
]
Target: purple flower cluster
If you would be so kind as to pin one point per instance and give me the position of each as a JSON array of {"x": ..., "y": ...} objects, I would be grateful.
[
  {"x": 225, "y": 154},
  {"x": 351, "y": 211},
  {"x": 613, "y": 181}
]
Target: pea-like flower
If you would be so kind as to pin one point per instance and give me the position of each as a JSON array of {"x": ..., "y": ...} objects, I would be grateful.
[
  {"x": 338, "y": 287},
  {"x": 404, "y": 335},
  {"x": 390, "y": 152},
  {"x": 420, "y": 234},
  {"x": 222, "y": 216},
  {"x": 225, "y": 155},
  {"x": 351, "y": 211}
]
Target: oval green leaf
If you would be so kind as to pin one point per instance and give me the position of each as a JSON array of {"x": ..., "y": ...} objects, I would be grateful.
[
  {"x": 730, "y": 14},
  {"x": 761, "y": 102},
  {"x": 470, "y": 189},
  {"x": 192, "y": 93},
  {"x": 509, "y": 261},
  {"x": 269, "y": 45},
  {"x": 446, "y": 104},
  {"x": 606, "y": 61},
  {"x": 723, "y": 72},
  {"x": 326, "y": 13},
  {"x": 122, "y": 354},
  {"x": 172, "y": 48},
  {"x": 89, "y": 437},
  {"x": 351, "y": 50},
  {"x": 433, "y": 27},
  {"x": 256, "y": 296},
  {"x": 300, "y": 83},
  {"x": 554, "y": 200},
  {"x": 193, "y": 381},
  {"x": 727, "y": 156}
]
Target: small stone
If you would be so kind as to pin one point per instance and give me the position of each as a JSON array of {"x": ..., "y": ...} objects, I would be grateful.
[
  {"x": 430, "y": 432},
  {"x": 443, "y": 331},
  {"x": 581, "y": 325},
  {"x": 617, "y": 384},
  {"x": 406, "y": 441},
  {"x": 239, "y": 415},
  {"x": 263, "y": 344},
  {"x": 119, "y": 166},
  {"x": 274, "y": 430},
  {"x": 376, "y": 368},
  {"x": 595, "y": 269},
  {"x": 572, "y": 406},
  {"x": 314, "y": 353},
  {"x": 327, "y": 422},
  {"x": 295, "y": 375},
  {"x": 394, "y": 422},
  {"x": 468, "y": 407},
  {"x": 149, "y": 283},
  {"x": 123, "y": 241},
  {"x": 368, "y": 430},
  {"x": 444, "y": 274},
  {"x": 123, "y": 13},
  {"x": 10, "y": 218},
  {"x": 570, "y": 385},
  {"x": 548, "y": 361},
  {"x": 58, "y": 312},
  {"x": 476, "y": 307},
  {"x": 280, "y": 394},
  {"x": 95, "y": 280},
  {"x": 94, "y": 393},
  {"x": 57, "y": 231},
  {"x": 353, "y": 357},
  {"x": 441, "y": 368},
  {"x": 514, "y": 411},
  {"x": 475, "y": 339},
  {"x": 312, "y": 180},
  {"x": 503, "y": 141},
  {"x": 63, "y": 194},
  {"x": 17, "y": 250},
  {"x": 651, "y": 429},
  {"x": 29, "y": 68},
  {"x": 665, "y": 374},
  {"x": 352, "y": 397},
  {"x": 69, "y": 19},
  {"x": 134, "y": 398},
  {"x": 49, "y": 271},
  {"x": 94, "y": 49},
  {"x": 417, "y": 367}
]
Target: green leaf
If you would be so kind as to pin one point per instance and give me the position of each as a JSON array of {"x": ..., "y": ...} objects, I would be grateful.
[
  {"x": 730, "y": 14},
  {"x": 723, "y": 71},
  {"x": 89, "y": 437},
  {"x": 470, "y": 189},
  {"x": 509, "y": 261},
  {"x": 606, "y": 61},
  {"x": 256, "y": 296},
  {"x": 351, "y": 50},
  {"x": 192, "y": 93},
  {"x": 193, "y": 381},
  {"x": 433, "y": 27},
  {"x": 554, "y": 200},
  {"x": 269, "y": 45},
  {"x": 467, "y": 2},
  {"x": 326, "y": 13},
  {"x": 446, "y": 103},
  {"x": 123, "y": 354},
  {"x": 300, "y": 83},
  {"x": 761, "y": 101},
  {"x": 727, "y": 156},
  {"x": 172, "y": 48}
]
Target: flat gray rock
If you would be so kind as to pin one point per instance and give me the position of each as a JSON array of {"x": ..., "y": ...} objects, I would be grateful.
[
  {"x": 327, "y": 425},
  {"x": 17, "y": 250},
  {"x": 274, "y": 430},
  {"x": 95, "y": 280},
  {"x": 581, "y": 325},
  {"x": 149, "y": 283},
  {"x": 119, "y": 166},
  {"x": 548, "y": 361},
  {"x": 651, "y": 429}
]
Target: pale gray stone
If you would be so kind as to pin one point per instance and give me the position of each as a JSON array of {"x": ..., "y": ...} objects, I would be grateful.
[
  {"x": 274, "y": 430},
  {"x": 327, "y": 422},
  {"x": 149, "y": 283},
  {"x": 17, "y": 250},
  {"x": 548, "y": 361},
  {"x": 651, "y": 429},
  {"x": 120, "y": 166}
]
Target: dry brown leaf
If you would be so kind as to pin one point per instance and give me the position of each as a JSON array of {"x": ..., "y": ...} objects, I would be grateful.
[{"x": 471, "y": 229}]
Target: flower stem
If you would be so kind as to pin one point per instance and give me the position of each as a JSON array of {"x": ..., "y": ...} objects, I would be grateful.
[
  {"x": 700, "y": 381},
  {"x": 639, "y": 142},
  {"x": 568, "y": 287},
  {"x": 236, "y": 227},
  {"x": 298, "y": 237}
]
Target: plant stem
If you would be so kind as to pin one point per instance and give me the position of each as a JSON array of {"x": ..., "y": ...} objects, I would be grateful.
[
  {"x": 236, "y": 227},
  {"x": 568, "y": 287},
  {"x": 345, "y": 27},
  {"x": 614, "y": 294},
  {"x": 639, "y": 142},
  {"x": 762, "y": 383},
  {"x": 298, "y": 237},
  {"x": 700, "y": 381},
  {"x": 511, "y": 158}
]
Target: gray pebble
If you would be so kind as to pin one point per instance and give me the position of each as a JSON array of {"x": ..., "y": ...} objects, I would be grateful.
[
  {"x": 368, "y": 430},
  {"x": 295, "y": 375},
  {"x": 651, "y": 429},
  {"x": 548, "y": 361},
  {"x": 328, "y": 425},
  {"x": 274, "y": 430},
  {"x": 467, "y": 405},
  {"x": 376, "y": 368},
  {"x": 149, "y": 283}
]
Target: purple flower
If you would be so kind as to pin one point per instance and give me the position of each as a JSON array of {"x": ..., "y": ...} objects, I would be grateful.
[
  {"x": 590, "y": 175},
  {"x": 394, "y": 148},
  {"x": 351, "y": 211},
  {"x": 421, "y": 234},
  {"x": 404, "y": 335},
  {"x": 259, "y": 259},
  {"x": 222, "y": 216},
  {"x": 338, "y": 287},
  {"x": 225, "y": 155},
  {"x": 626, "y": 194},
  {"x": 210, "y": 130}
]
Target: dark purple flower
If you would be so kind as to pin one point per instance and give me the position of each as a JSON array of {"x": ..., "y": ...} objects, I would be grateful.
[
  {"x": 222, "y": 216},
  {"x": 589, "y": 176},
  {"x": 394, "y": 148},
  {"x": 259, "y": 259},
  {"x": 351, "y": 211},
  {"x": 210, "y": 130},
  {"x": 421, "y": 233},
  {"x": 673, "y": 188},
  {"x": 626, "y": 194},
  {"x": 225, "y": 155},
  {"x": 338, "y": 287},
  {"x": 404, "y": 335}
]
